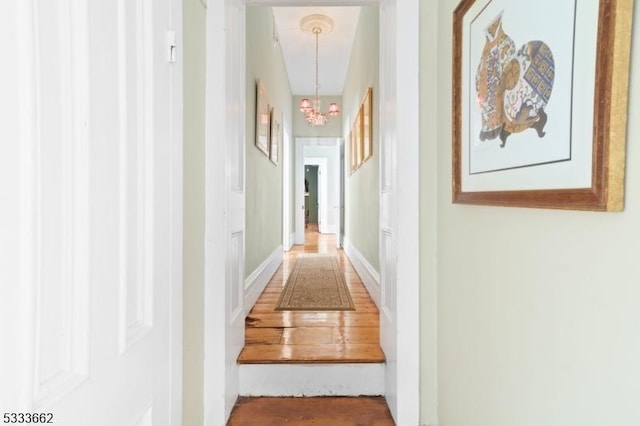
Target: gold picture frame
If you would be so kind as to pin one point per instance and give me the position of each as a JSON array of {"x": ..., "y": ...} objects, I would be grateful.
[
  {"x": 359, "y": 132},
  {"x": 274, "y": 141},
  {"x": 353, "y": 161},
  {"x": 361, "y": 135},
  {"x": 263, "y": 118},
  {"x": 367, "y": 125},
  {"x": 598, "y": 156}
]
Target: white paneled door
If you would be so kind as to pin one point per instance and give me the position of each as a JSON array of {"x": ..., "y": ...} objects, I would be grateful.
[
  {"x": 399, "y": 208},
  {"x": 225, "y": 207},
  {"x": 91, "y": 169}
]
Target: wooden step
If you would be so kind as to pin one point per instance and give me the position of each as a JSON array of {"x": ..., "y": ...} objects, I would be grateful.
[
  {"x": 370, "y": 411},
  {"x": 311, "y": 353}
]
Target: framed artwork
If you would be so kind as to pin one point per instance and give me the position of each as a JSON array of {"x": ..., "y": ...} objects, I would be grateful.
[
  {"x": 540, "y": 103},
  {"x": 367, "y": 125},
  {"x": 360, "y": 135},
  {"x": 275, "y": 137},
  {"x": 263, "y": 118}
]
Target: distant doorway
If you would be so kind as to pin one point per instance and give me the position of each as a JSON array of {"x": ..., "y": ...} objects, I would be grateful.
[
  {"x": 311, "y": 201},
  {"x": 321, "y": 214}
]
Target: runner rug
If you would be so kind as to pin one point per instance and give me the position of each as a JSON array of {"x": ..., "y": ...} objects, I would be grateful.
[{"x": 315, "y": 284}]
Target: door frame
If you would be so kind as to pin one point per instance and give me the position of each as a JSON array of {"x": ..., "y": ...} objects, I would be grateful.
[
  {"x": 299, "y": 191},
  {"x": 399, "y": 208},
  {"x": 219, "y": 374},
  {"x": 300, "y": 143},
  {"x": 322, "y": 188},
  {"x": 287, "y": 238},
  {"x": 225, "y": 162},
  {"x": 341, "y": 193}
]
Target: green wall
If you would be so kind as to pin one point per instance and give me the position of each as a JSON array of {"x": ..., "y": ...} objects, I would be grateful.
[
  {"x": 537, "y": 310},
  {"x": 428, "y": 212},
  {"x": 263, "y": 178},
  {"x": 362, "y": 211},
  {"x": 194, "y": 63}
]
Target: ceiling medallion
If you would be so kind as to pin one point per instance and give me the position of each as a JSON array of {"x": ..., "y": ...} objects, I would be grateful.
[{"x": 309, "y": 23}]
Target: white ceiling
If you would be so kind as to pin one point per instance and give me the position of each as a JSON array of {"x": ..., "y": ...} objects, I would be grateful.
[{"x": 334, "y": 48}]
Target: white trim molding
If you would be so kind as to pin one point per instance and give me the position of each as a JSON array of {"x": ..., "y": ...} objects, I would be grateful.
[
  {"x": 368, "y": 274},
  {"x": 255, "y": 283},
  {"x": 329, "y": 229},
  {"x": 312, "y": 379}
]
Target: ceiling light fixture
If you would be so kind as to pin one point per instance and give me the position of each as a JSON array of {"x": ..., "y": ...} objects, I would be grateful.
[{"x": 317, "y": 24}]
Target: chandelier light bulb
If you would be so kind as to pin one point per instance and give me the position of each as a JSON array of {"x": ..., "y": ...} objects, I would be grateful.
[{"x": 305, "y": 106}]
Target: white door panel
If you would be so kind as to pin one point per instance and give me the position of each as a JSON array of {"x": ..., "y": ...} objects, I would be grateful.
[
  {"x": 225, "y": 207},
  {"x": 299, "y": 190},
  {"x": 399, "y": 319},
  {"x": 388, "y": 214},
  {"x": 340, "y": 195},
  {"x": 98, "y": 190}
]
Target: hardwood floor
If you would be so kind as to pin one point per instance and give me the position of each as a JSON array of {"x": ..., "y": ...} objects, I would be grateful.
[
  {"x": 323, "y": 411},
  {"x": 307, "y": 336}
]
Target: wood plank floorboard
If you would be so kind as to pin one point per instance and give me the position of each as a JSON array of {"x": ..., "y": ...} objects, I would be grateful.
[
  {"x": 313, "y": 319},
  {"x": 312, "y": 353},
  {"x": 323, "y": 411},
  {"x": 313, "y": 336}
]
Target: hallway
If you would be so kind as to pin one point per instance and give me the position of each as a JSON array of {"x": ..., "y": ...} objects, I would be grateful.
[{"x": 308, "y": 336}]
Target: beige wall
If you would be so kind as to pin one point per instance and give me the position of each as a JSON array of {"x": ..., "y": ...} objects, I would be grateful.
[
  {"x": 194, "y": 26},
  {"x": 429, "y": 176},
  {"x": 362, "y": 226},
  {"x": 537, "y": 310},
  {"x": 263, "y": 178}
]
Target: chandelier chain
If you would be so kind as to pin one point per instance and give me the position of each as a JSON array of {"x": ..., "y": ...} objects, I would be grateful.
[
  {"x": 317, "y": 31},
  {"x": 311, "y": 110}
]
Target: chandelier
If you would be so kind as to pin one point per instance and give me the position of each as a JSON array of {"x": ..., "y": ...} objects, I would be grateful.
[{"x": 312, "y": 110}]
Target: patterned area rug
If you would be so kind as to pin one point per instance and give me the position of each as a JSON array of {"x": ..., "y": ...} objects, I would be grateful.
[{"x": 315, "y": 284}]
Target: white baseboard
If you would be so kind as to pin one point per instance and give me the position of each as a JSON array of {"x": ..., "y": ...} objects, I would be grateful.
[
  {"x": 370, "y": 277},
  {"x": 255, "y": 283},
  {"x": 312, "y": 379}
]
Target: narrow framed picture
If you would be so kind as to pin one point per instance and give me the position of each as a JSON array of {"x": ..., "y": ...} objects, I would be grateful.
[
  {"x": 367, "y": 125},
  {"x": 540, "y": 103},
  {"x": 275, "y": 137},
  {"x": 263, "y": 118},
  {"x": 359, "y": 137}
]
